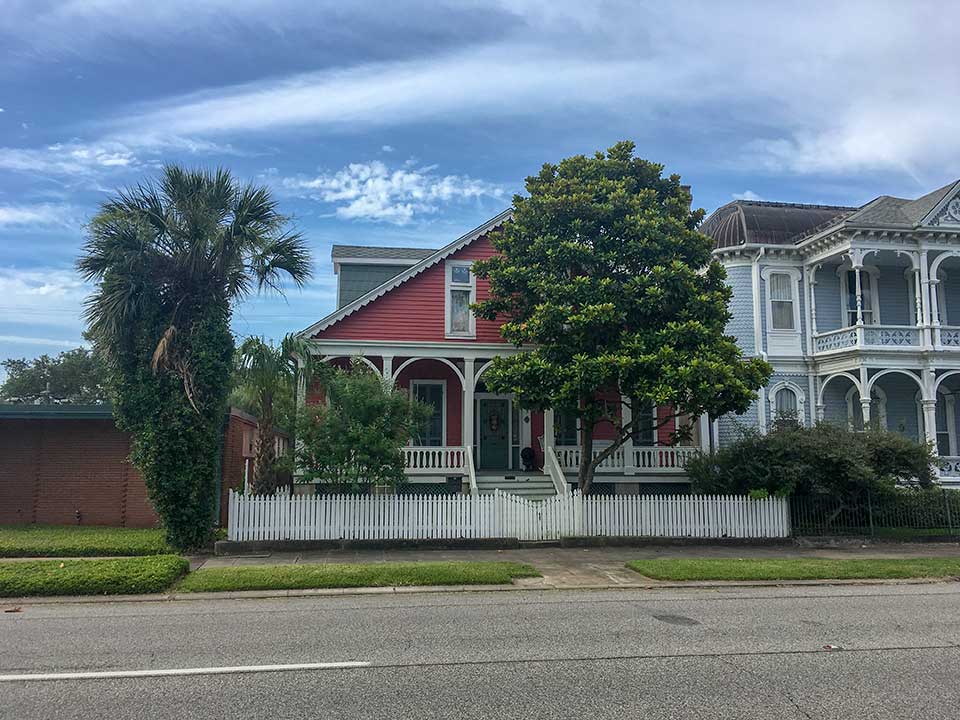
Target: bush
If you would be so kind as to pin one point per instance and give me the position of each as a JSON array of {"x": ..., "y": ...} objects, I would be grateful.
[
  {"x": 125, "y": 576},
  {"x": 822, "y": 460},
  {"x": 354, "y": 438}
]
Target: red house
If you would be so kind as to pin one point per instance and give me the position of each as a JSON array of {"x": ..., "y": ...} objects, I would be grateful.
[{"x": 406, "y": 312}]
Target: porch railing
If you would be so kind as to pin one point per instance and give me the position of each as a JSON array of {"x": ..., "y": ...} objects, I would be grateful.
[
  {"x": 444, "y": 460},
  {"x": 552, "y": 467},
  {"x": 882, "y": 336},
  {"x": 662, "y": 459}
]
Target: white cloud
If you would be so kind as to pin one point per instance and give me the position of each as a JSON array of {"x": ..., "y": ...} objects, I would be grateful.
[
  {"x": 47, "y": 342},
  {"x": 41, "y": 214},
  {"x": 857, "y": 99},
  {"x": 747, "y": 195},
  {"x": 371, "y": 191},
  {"x": 42, "y": 296},
  {"x": 387, "y": 148},
  {"x": 71, "y": 158}
]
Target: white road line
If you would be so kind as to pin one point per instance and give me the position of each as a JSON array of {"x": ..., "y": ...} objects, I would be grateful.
[{"x": 174, "y": 672}]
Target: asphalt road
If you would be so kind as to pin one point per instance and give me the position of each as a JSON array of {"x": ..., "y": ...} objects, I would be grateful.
[{"x": 745, "y": 653}]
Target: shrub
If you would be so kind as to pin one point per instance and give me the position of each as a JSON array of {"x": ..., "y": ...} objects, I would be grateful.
[
  {"x": 822, "y": 460},
  {"x": 354, "y": 438}
]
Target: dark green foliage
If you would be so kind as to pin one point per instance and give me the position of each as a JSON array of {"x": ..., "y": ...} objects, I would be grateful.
[
  {"x": 79, "y": 541},
  {"x": 126, "y": 576},
  {"x": 354, "y": 438},
  {"x": 267, "y": 377},
  {"x": 341, "y": 575},
  {"x": 825, "y": 460},
  {"x": 170, "y": 260},
  {"x": 76, "y": 376},
  {"x": 603, "y": 273}
]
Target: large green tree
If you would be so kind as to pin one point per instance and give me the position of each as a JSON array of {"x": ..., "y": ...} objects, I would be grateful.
[
  {"x": 267, "y": 378},
  {"x": 604, "y": 280},
  {"x": 75, "y": 376},
  {"x": 170, "y": 260}
]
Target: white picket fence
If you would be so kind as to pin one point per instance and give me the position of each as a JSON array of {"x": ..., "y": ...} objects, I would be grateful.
[{"x": 501, "y": 515}]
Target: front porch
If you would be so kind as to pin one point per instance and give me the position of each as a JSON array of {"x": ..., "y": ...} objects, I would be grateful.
[{"x": 489, "y": 442}]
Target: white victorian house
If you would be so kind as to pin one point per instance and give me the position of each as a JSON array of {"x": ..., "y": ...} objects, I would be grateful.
[{"x": 856, "y": 308}]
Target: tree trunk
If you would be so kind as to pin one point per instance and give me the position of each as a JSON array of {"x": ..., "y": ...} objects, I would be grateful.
[
  {"x": 585, "y": 472},
  {"x": 265, "y": 460}
]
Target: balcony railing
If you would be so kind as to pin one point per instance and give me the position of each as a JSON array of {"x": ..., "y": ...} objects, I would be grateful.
[
  {"x": 660, "y": 459},
  {"x": 873, "y": 336}
]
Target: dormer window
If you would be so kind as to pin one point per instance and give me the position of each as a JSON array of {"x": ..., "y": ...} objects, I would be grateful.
[{"x": 461, "y": 289}]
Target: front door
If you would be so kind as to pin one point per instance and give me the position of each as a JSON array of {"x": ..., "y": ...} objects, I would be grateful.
[{"x": 494, "y": 429}]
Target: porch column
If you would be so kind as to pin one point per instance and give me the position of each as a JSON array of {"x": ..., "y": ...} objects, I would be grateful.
[
  {"x": 864, "y": 394},
  {"x": 466, "y": 437},
  {"x": 626, "y": 416},
  {"x": 388, "y": 370},
  {"x": 813, "y": 302},
  {"x": 934, "y": 312},
  {"x": 929, "y": 405},
  {"x": 548, "y": 432},
  {"x": 859, "y": 295},
  {"x": 925, "y": 298}
]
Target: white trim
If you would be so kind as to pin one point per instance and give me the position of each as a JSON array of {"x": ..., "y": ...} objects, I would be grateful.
[
  {"x": 798, "y": 393},
  {"x": 443, "y": 414},
  {"x": 911, "y": 276},
  {"x": 448, "y": 287},
  {"x": 794, "y": 275},
  {"x": 410, "y": 360},
  {"x": 403, "y": 262},
  {"x": 940, "y": 205},
  {"x": 413, "y": 271}
]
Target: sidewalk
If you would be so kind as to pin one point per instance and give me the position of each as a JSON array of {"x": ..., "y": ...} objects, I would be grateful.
[{"x": 573, "y": 568}]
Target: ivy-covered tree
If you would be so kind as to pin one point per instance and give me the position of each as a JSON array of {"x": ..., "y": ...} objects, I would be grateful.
[
  {"x": 170, "y": 259},
  {"x": 75, "y": 376},
  {"x": 353, "y": 438},
  {"x": 604, "y": 280}
]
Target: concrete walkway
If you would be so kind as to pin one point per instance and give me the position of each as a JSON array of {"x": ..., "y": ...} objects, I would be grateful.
[{"x": 588, "y": 567}]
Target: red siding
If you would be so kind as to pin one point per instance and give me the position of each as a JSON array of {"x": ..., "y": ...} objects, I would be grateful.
[
  {"x": 436, "y": 370},
  {"x": 414, "y": 311}
]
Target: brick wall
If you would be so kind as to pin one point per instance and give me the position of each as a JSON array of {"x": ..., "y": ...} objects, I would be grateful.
[{"x": 55, "y": 469}]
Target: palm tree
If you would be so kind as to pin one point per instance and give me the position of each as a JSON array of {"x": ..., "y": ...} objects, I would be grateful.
[
  {"x": 266, "y": 372},
  {"x": 170, "y": 260},
  {"x": 201, "y": 240}
]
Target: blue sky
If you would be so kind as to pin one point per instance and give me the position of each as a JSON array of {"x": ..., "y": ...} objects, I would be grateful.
[{"x": 408, "y": 123}]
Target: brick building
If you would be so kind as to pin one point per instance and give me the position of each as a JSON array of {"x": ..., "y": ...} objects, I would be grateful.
[{"x": 69, "y": 465}]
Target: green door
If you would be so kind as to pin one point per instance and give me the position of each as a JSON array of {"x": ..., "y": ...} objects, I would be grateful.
[{"x": 494, "y": 434}]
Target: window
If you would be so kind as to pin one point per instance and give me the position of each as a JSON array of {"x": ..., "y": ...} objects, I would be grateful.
[
  {"x": 645, "y": 430},
  {"x": 878, "y": 409},
  {"x": 785, "y": 403},
  {"x": 565, "y": 429},
  {"x": 781, "y": 302},
  {"x": 431, "y": 393},
  {"x": 868, "y": 297},
  {"x": 461, "y": 292}
]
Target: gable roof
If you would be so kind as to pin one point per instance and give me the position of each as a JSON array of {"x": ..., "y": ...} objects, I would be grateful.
[
  {"x": 369, "y": 252},
  {"x": 413, "y": 271}
]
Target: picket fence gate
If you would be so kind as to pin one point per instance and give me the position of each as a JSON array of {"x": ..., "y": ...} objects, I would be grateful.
[{"x": 421, "y": 517}]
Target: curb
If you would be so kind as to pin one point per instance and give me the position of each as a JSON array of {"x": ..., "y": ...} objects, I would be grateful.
[{"x": 452, "y": 589}]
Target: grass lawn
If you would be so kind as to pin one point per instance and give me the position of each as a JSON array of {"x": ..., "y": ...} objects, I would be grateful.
[
  {"x": 91, "y": 577},
  {"x": 796, "y": 569},
  {"x": 79, "y": 541},
  {"x": 336, "y": 575}
]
